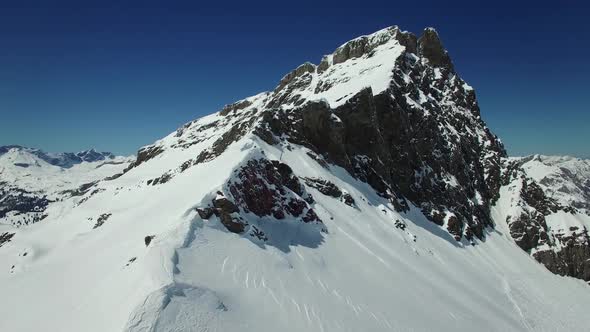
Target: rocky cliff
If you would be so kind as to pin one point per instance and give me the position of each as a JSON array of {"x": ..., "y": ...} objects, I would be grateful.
[{"x": 548, "y": 214}]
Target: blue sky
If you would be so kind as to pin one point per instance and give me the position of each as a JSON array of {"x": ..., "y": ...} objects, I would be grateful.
[{"x": 119, "y": 75}]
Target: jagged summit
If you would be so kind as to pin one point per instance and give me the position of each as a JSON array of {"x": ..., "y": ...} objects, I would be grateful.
[
  {"x": 431, "y": 48},
  {"x": 389, "y": 108},
  {"x": 364, "y": 193},
  {"x": 366, "y": 56}
]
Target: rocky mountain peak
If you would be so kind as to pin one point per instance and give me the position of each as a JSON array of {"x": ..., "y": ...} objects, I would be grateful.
[
  {"x": 363, "y": 45},
  {"x": 307, "y": 67},
  {"x": 430, "y": 47},
  {"x": 381, "y": 107}
]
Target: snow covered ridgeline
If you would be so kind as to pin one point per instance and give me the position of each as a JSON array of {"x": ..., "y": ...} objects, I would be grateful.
[{"x": 346, "y": 199}]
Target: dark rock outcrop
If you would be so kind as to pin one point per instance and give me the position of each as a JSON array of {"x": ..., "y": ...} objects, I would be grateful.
[
  {"x": 148, "y": 239},
  {"x": 269, "y": 188},
  {"x": 235, "y": 107},
  {"x": 28, "y": 206},
  {"x": 298, "y": 72},
  {"x": 430, "y": 47},
  {"x": 573, "y": 259},
  {"x": 5, "y": 237},
  {"x": 160, "y": 180},
  {"x": 102, "y": 219},
  {"x": 227, "y": 211},
  {"x": 264, "y": 188},
  {"x": 144, "y": 154},
  {"x": 324, "y": 186},
  {"x": 206, "y": 212},
  {"x": 329, "y": 189},
  {"x": 363, "y": 45}
]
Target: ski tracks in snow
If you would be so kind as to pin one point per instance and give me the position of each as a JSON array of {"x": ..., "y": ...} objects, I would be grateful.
[
  {"x": 253, "y": 279},
  {"x": 508, "y": 291}
]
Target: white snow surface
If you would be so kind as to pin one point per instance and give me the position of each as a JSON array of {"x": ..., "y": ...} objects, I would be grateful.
[{"x": 363, "y": 274}]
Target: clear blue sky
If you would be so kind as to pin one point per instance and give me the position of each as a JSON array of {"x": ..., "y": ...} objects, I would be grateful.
[{"x": 119, "y": 75}]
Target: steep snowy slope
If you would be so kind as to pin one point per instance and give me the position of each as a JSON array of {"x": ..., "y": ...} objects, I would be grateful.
[
  {"x": 31, "y": 179},
  {"x": 359, "y": 195}
]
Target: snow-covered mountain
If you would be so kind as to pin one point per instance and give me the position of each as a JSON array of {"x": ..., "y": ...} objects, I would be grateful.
[
  {"x": 31, "y": 179},
  {"x": 362, "y": 194}
]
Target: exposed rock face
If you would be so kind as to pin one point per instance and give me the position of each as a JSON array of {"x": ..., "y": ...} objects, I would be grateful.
[
  {"x": 536, "y": 224},
  {"x": 160, "y": 180},
  {"x": 528, "y": 229},
  {"x": 363, "y": 45},
  {"x": 421, "y": 140},
  {"x": 431, "y": 48},
  {"x": 298, "y": 72},
  {"x": 5, "y": 237},
  {"x": 269, "y": 188},
  {"x": 16, "y": 201},
  {"x": 573, "y": 257},
  {"x": 324, "y": 186},
  {"x": 145, "y": 154},
  {"x": 148, "y": 239},
  {"x": 102, "y": 219},
  {"x": 235, "y": 107},
  {"x": 265, "y": 189},
  {"x": 328, "y": 188},
  {"x": 227, "y": 211}
]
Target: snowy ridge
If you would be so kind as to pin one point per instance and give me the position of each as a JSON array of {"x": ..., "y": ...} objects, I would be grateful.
[{"x": 284, "y": 211}]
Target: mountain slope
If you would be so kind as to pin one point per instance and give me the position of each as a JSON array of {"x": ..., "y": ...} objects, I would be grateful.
[{"x": 360, "y": 194}]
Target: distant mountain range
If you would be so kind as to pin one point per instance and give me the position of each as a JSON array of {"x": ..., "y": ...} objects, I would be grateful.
[
  {"x": 31, "y": 179},
  {"x": 63, "y": 159}
]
